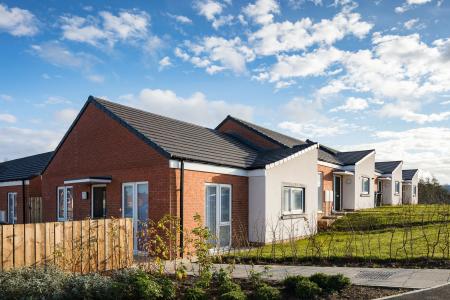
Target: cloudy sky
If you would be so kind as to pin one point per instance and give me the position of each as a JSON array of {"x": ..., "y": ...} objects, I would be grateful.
[{"x": 348, "y": 74}]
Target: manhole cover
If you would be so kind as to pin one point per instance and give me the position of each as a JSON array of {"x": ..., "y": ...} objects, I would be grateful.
[{"x": 375, "y": 275}]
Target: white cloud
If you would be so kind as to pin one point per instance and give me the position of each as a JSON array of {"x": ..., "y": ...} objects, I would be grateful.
[
  {"x": 8, "y": 118},
  {"x": 209, "y": 8},
  {"x": 180, "y": 19},
  {"x": 262, "y": 11},
  {"x": 425, "y": 148},
  {"x": 217, "y": 54},
  {"x": 107, "y": 28},
  {"x": 19, "y": 142},
  {"x": 6, "y": 97},
  {"x": 410, "y": 4},
  {"x": 405, "y": 112},
  {"x": 352, "y": 104},
  {"x": 17, "y": 21},
  {"x": 410, "y": 24},
  {"x": 164, "y": 63},
  {"x": 95, "y": 78},
  {"x": 66, "y": 116},
  {"x": 58, "y": 55},
  {"x": 196, "y": 108},
  {"x": 54, "y": 100},
  {"x": 273, "y": 38}
]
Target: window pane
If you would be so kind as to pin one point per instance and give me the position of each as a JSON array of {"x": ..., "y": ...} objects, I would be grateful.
[
  {"x": 320, "y": 191},
  {"x": 142, "y": 190},
  {"x": 69, "y": 202},
  {"x": 297, "y": 199},
  {"x": 211, "y": 210},
  {"x": 225, "y": 204},
  {"x": 365, "y": 185},
  {"x": 224, "y": 236},
  {"x": 61, "y": 207},
  {"x": 286, "y": 196},
  {"x": 12, "y": 208},
  {"x": 128, "y": 201}
]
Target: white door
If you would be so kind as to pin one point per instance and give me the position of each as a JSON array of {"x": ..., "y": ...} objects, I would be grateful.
[
  {"x": 135, "y": 206},
  {"x": 218, "y": 213}
]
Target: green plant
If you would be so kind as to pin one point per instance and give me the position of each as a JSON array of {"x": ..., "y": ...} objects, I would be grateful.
[
  {"x": 301, "y": 287},
  {"x": 233, "y": 295},
  {"x": 290, "y": 282},
  {"x": 338, "y": 282},
  {"x": 30, "y": 283},
  {"x": 168, "y": 287},
  {"x": 135, "y": 284},
  {"x": 195, "y": 293},
  {"x": 88, "y": 287},
  {"x": 266, "y": 292}
]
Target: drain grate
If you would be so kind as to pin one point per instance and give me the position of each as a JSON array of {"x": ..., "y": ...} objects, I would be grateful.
[{"x": 375, "y": 275}]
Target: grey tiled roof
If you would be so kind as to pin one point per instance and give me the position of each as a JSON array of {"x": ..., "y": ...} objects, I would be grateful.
[
  {"x": 24, "y": 168},
  {"x": 274, "y": 136},
  {"x": 352, "y": 157},
  {"x": 409, "y": 174},
  {"x": 386, "y": 167},
  {"x": 182, "y": 140}
]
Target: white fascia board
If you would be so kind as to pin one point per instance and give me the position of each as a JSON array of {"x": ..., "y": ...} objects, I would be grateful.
[
  {"x": 87, "y": 180},
  {"x": 192, "y": 166},
  {"x": 400, "y": 165},
  {"x": 346, "y": 173},
  {"x": 286, "y": 159},
  {"x": 13, "y": 183},
  {"x": 327, "y": 164},
  {"x": 365, "y": 157},
  {"x": 377, "y": 174}
]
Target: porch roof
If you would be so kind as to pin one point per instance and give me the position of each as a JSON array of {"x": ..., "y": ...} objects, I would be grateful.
[{"x": 89, "y": 179}]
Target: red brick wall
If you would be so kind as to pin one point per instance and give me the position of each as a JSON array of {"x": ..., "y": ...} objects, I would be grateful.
[
  {"x": 194, "y": 199},
  {"x": 231, "y": 126},
  {"x": 327, "y": 185},
  {"x": 100, "y": 146}
]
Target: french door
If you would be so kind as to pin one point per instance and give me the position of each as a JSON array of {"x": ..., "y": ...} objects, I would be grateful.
[
  {"x": 135, "y": 206},
  {"x": 218, "y": 213},
  {"x": 12, "y": 208},
  {"x": 65, "y": 203},
  {"x": 337, "y": 203}
]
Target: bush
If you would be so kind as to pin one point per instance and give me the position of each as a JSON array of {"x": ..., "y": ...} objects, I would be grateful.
[
  {"x": 330, "y": 283},
  {"x": 168, "y": 287},
  {"x": 302, "y": 288},
  {"x": 195, "y": 293},
  {"x": 135, "y": 284},
  {"x": 88, "y": 287},
  {"x": 266, "y": 292},
  {"x": 233, "y": 295},
  {"x": 30, "y": 283}
]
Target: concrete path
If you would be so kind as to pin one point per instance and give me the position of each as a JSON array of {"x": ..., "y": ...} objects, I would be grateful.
[
  {"x": 384, "y": 277},
  {"x": 437, "y": 293}
]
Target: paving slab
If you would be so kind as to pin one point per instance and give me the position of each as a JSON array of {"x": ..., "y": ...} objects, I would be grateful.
[{"x": 441, "y": 292}]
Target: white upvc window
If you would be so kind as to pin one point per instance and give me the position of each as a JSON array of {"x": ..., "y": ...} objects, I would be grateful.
[
  {"x": 397, "y": 187},
  {"x": 414, "y": 190},
  {"x": 12, "y": 208},
  {"x": 293, "y": 199},
  {"x": 65, "y": 203},
  {"x": 365, "y": 188}
]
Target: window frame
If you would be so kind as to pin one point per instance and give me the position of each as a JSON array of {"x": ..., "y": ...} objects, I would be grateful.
[
  {"x": 321, "y": 192},
  {"x": 363, "y": 178},
  {"x": 14, "y": 207},
  {"x": 414, "y": 190},
  {"x": 218, "y": 213},
  {"x": 397, "y": 184},
  {"x": 291, "y": 211},
  {"x": 65, "y": 208}
]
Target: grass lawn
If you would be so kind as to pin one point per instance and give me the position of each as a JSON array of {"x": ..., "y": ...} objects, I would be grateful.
[{"x": 388, "y": 234}]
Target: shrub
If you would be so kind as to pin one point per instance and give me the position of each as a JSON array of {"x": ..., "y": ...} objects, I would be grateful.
[
  {"x": 195, "y": 293},
  {"x": 266, "y": 292},
  {"x": 88, "y": 287},
  {"x": 168, "y": 287},
  {"x": 330, "y": 283},
  {"x": 302, "y": 287},
  {"x": 135, "y": 284},
  {"x": 224, "y": 282},
  {"x": 233, "y": 295},
  {"x": 30, "y": 283}
]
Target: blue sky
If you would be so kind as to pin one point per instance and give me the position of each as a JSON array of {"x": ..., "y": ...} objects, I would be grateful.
[{"x": 348, "y": 74}]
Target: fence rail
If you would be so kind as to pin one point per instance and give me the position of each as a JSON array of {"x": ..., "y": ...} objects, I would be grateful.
[{"x": 76, "y": 246}]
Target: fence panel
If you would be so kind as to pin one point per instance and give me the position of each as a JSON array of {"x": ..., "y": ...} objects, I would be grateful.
[{"x": 77, "y": 246}]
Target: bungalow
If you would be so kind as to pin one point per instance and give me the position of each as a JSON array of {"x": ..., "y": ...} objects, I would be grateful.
[
  {"x": 344, "y": 179},
  {"x": 410, "y": 186},
  {"x": 121, "y": 161},
  {"x": 20, "y": 189},
  {"x": 389, "y": 180}
]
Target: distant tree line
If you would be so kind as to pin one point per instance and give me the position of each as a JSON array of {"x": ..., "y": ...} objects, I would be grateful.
[{"x": 431, "y": 191}]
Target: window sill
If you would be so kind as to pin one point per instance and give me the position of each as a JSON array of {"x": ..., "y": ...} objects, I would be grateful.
[
  {"x": 289, "y": 216},
  {"x": 365, "y": 195}
]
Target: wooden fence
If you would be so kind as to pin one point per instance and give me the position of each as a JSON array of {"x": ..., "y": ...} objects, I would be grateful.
[{"x": 76, "y": 246}]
